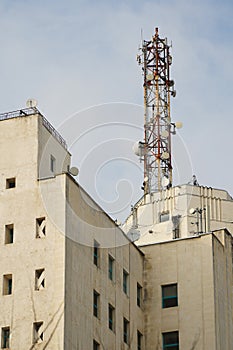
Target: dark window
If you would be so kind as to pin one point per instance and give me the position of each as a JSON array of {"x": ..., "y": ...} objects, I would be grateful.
[
  {"x": 164, "y": 217},
  {"x": 111, "y": 317},
  {"x": 169, "y": 295},
  {"x": 7, "y": 284},
  {"x": 96, "y": 253},
  {"x": 96, "y": 345},
  {"x": 96, "y": 303},
  {"x": 139, "y": 340},
  {"x": 38, "y": 334},
  {"x": 110, "y": 267},
  {"x": 10, "y": 183},
  {"x": 171, "y": 340},
  {"x": 5, "y": 341},
  {"x": 9, "y": 234},
  {"x": 139, "y": 295},
  {"x": 39, "y": 279},
  {"x": 125, "y": 281},
  {"x": 52, "y": 164},
  {"x": 40, "y": 227},
  {"x": 126, "y": 330}
]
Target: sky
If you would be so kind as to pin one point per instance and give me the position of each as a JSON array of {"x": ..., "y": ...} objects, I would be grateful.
[{"x": 77, "y": 58}]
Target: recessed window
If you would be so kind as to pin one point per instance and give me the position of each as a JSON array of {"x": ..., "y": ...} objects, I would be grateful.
[
  {"x": 5, "y": 338},
  {"x": 7, "y": 284},
  {"x": 125, "y": 282},
  {"x": 40, "y": 279},
  {"x": 139, "y": 295},
  {"x": 52, "y": 164},
  {"x": 110, "y": 267},
  {"x": 111, "y": 317},
  {"x": 11, "y": 183},
  {"x": 169, "y": 295},
  {"x": 40, "y": 227},
  {"x": 9, "y": 234},
  {"x": 171, "y": 340},
  {"x": 164, "y": 216},
  {"x": 96, "y": 253},
  {"x": 96, "y": 345},
  {"x": 126, "y": 330},
  {"x": 139, "y": 340},
  {"x": 38, "y": 333},
  {"x": 96, "y": 301}
]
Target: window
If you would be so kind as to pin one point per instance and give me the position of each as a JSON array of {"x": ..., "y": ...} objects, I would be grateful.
[
  {"x": 169, "y": 295},
  {"x": 139, "y": 295},
  {"x": 38, "y": 334},
  {"x": 110, "y": 267},
  {"x": 125, "y": 281},
  {"x": 40, "y": 279},
  {"x": 52, "y": 164},
  {"x": 164, "y": 216},
  {"x": 96, "y": 345},
  {"x": 111, "y": 317},
  {"x": 96, "y": 297},
  {"x": 7, "y": 284},
  {"x": 139, "y": 340},
  {"x": 96, "y": 253},
  {"x": 126, "y": 330},
  {"x": 40, "y": 227},
  {"x": 171, "y": 340},
  {"x": 5, "y": 341},
  {"x": 10, "y": 183},
  {"x": 9, "y": 234}
]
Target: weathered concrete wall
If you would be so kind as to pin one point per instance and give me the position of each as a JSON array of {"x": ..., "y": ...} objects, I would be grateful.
[
  {"x": 86, "y": 222},
  {"x": 21, "y": 206},
  {"x": 189, "y": 263}
]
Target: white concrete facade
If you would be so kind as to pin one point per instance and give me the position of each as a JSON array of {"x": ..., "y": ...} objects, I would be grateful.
[
  {"x": 48, "y": 228},
  {"x": 66, "y": 266}
]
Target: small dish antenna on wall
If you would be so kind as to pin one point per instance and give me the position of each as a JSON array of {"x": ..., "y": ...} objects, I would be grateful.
[
  {"x": 31, "y": 103},
  {"x": 74, "y": 171}
]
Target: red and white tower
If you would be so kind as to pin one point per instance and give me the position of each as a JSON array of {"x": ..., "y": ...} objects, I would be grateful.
[{"x": 156, "y": 60}]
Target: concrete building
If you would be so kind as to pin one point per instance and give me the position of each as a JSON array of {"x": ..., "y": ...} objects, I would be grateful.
[
  {"x": 71, "y": 279},
  {"x": 69, "y": 276}
]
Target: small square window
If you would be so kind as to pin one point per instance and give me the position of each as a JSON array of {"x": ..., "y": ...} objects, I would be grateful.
[
  {"x": 38, "y": 333},
  {"x": 40, "y": 227},
  {"x": 52, "y": 164},
  {"x": 96, "y": 253},
  {"x": 40, "y": 279},
  {"x": 11, "y": 183},
  {"x": 9, "y": 234},
  {"x": 126, "y": 330},
  {"x": 110, "y": 267},
  {"x": 139, "y": 340},
  {"x": 169, "y": 295},
  {"x": 96, "y": 297},
  {"x": 139, "y": 295},
  {"x": 164, "y": 216},
  {"x": 171, "y": 340},
  {"x": 111, "y": 317},
  {"x": 7, "y": 284},
  {"x": 5, "y": 341},
  {"x": 96, "y": 345},
  {"x": 125, "y": 282}
]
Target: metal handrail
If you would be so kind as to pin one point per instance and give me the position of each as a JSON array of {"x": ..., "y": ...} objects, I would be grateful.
[{"x": 30, "y": 111}]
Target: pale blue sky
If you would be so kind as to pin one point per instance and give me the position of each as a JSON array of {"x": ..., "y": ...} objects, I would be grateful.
[{"x": 71, "y": 55}]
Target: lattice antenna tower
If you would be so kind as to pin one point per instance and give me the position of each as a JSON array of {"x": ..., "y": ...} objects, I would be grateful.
[{"x": 156, "y": 60}]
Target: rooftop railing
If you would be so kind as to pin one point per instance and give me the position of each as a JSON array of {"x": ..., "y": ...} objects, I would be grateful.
[{"x": 30, "y": 111}]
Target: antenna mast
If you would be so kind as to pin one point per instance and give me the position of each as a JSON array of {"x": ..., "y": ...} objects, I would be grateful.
[{"x": 155, "y": 59}]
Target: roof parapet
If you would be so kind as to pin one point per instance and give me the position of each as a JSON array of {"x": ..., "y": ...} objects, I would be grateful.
[{"x": 30, "y": 111}]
